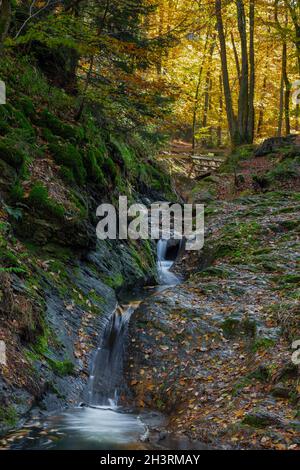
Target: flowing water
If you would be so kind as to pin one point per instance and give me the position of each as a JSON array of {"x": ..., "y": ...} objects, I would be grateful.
[
  {"x": 106, "y": 378},
  {"x": 101, "y": 423},
  {"x": 166, "y": 277}
]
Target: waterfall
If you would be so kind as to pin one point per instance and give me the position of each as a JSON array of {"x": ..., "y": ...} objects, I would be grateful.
[
  {"x": 106, "y": 377},
  {"x": 165, "y": 276}
]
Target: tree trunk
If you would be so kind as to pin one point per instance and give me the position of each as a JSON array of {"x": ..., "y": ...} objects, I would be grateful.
[
  {"x": 281, "y": 97},
  {"x": 208, "y": 86},
  {"x": 232, "y": 125},
  {"x": 260, "y": 120},
  {"x": 236, "y": 57},
  {"x": 294, "y": 10},
  {"x": 5, "y": 17},
  {"x": 219, "y": 130},
  {"x": 243, "y": 102},
  {"x": 197, "y": 93},
  {"x": 251, "y": 112},
  {"x": 159, "y": 64},
  {"x": 287, "y": 91}
]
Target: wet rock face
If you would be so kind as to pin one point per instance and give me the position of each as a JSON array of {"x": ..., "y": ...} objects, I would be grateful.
[
  {"x": 52, "y": 313},
  {"x": 215, "y": 352},
  {"x": 74, "y": 233}
]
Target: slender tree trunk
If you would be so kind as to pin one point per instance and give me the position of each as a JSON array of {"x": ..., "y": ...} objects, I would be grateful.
[
  {"x": 287, "y": 84},
  {"x": 294, "y": 10},
  {"x": 251, "y": 112},
  {"x": 287, "y": 90},
  {"x": 159, "y": 66},
  {"x": 260, "y": 120},
  {"x": 225, "y": 76},
  {"x": 86, "y": 85},
  {"x": 197, "y": 93},
  {"x": 208, "y": 85},
  {"x": 5, "y": 17},
  {"x": 236, "y": 57},
  {"x": 219, "y": 130},
  {"x": 243, "y": 102},
  {"x": 281, "y": 97}
]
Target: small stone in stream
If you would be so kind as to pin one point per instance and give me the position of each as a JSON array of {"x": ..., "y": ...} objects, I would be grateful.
[{"x": 162, "y": 436}]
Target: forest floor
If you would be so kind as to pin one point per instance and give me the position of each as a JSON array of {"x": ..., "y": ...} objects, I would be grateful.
[{"x": 215, "y": 353}]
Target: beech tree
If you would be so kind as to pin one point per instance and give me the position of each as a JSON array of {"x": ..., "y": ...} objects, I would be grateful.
[{"x": 241, "y": 125}]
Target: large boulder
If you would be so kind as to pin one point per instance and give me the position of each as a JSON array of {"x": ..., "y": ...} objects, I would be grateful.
[{"x": 274, "y": 144}]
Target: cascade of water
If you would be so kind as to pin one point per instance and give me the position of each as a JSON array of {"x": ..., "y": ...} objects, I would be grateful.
[
  {"x": 106, "y": 378},
  {"x": 165, "y": 276}
]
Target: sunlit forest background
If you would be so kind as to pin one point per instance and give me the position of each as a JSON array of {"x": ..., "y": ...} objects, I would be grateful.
[{"x": 209, "y": 72}]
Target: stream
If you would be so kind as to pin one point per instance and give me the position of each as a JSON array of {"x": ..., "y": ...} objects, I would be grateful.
[{"x": 101, "y": 423}]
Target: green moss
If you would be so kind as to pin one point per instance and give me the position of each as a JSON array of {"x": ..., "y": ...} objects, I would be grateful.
[
  {"x": 39, "y": 199},
  {"x": 17, "y": 192},
  {"x": 95, "y": 297},
  {"x": 115, "y": 281},
  {"x": 49, "y": 136},
  {"x": 67, "y": 175},
  {"x": 287, "y": 279},
  {"x": 40, "y": 346},
  {"x": 239, "y": 241},
  {"x": 287, "y": 169},
  {"x": 235, "y": 326},
  {"x": 262, "y": 344},
  {"x": 79, "y": 203},
  {"x": 127, "y": 155},
  {"x": 27, "y": 106},
  {"x": 257, "y": 420},
  {"x": 240, "y": 385},
  {"x": 11, "y": 155},
  {"x": 8, "y": 416},
  {"x": 93, "y": 162},
  {"x": 110, "y": 167},
  {"x": 214, "y": 272},
  {"x": 69, "y": 156},
  {"x": 61, "y": 368},
  {"x": 60, "y": 128},
  {"x": 290, "y": 224},
  {"x": 241, "y": 153}
]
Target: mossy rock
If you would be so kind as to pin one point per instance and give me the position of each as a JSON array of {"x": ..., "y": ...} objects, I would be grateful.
[
  {"x": 237, "y": 326},
  {"x": 61, "y": 368},
  {"x": 214, "y": 272},
  {"x": 93, "y": 162},
  {"x": 39, "y": 199},
  {"x": 27, "y": 105},
  {"x": 287, "y": 279},
  {"x": 8, "y": 176},
  {"x": 126, "y": 154},
  {"x": 223, "y": 250},
  {"x": 262, "y": 344},
  {"x": 17, "y": 192},
  {"x": 261, "y": 419},
  {"x": 11, "y": 155},
  {"x": 8, "y": 416},
  {"x": 290, "y": 224},
  {"x": 111, "y": 168},
  {"x": 69, "y": 156},
  {"x": 59, "y": 128},
  {"x": 284, "y": 171},
  {"x": 281, "y": 390}
]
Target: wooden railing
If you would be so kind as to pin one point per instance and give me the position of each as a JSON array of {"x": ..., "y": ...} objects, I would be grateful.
[{"x": 199, "y": 164}]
